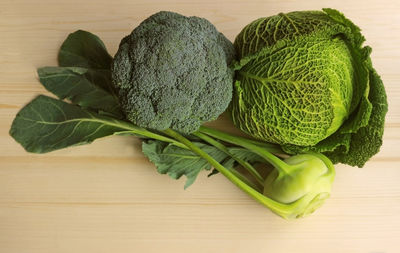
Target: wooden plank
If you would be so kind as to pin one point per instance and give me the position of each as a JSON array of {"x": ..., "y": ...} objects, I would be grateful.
[{"x": 106, "y": 197}]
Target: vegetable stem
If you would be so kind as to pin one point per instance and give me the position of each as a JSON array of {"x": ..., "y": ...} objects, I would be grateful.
[
  {"x": 279, "y": 208},
  {"x": 240, "y": 176},
  {"x": 146, "y": 133},
  {"x": 273, "y": 148},
  {"x": 245, "y": 164},
  {"x": 262, "y": 151}
]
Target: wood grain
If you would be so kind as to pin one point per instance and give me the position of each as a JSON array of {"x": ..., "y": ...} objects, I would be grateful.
[{"x": 106, "y": 197}]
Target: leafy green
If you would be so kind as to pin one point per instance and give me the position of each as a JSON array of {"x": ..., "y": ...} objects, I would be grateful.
[
  {"x": 176, "y": 162},
  {"x": 47, "y": 124},
  {"x": 86, "y": 50},
  {"x": 244, "y": 154},
  {"x": 303, "y": 81},
  {"x": 71, "y": 83},
  {"x": 297, "y": 90},
  {"x": 241, "y": 153},
  {"x": 368, "y": 140}
]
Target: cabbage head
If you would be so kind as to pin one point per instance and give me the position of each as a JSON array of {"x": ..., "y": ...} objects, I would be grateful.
[{"x": 304, "y": 81}]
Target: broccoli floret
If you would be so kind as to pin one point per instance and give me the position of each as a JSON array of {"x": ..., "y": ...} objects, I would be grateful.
[{"x": 172, "y": 72}]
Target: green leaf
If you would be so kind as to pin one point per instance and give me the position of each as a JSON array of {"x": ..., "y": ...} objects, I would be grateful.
[
  {"x": 47, "y": 124},
  {"x": 269, "y": 47},
  {"x": 367, "y": 141},
  {"x": 244, "y": 154},
  {"x": 213, "y": 172},
  {"x": 71, "y": 83},
  {"x": 86, "y": 50},
  {"x": 176, "y": 161}
]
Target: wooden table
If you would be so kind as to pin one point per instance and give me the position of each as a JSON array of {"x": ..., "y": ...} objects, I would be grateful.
[{"x": 107, "y": 197}]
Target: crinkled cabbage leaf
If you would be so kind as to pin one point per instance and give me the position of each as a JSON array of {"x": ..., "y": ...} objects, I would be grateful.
[{"x": 304, "y": 81}]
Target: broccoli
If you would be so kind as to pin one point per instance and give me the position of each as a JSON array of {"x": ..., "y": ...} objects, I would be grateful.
[{"x": 173, "y": 72}]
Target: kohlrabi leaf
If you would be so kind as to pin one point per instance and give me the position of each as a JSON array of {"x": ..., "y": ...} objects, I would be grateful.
[
  {"x": 71, "y": 83},
  {"x": 241, "y": 153},
  {"x": 86, "y": 50},
  {"x": 244, "y": 154},
  {"x": 176, "y": 161},
  {"x": 47, "y": 124}
]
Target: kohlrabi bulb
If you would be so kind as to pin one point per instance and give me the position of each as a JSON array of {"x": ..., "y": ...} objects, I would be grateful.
[
  {"x": 296, "y": 187},
  {"x": 303, "y": 185}
]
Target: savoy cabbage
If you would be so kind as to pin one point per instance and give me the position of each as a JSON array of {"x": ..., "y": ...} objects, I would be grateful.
[{"x": 305, "y": 81}]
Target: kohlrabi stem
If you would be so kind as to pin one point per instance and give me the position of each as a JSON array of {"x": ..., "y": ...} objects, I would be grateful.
[
  {"x": 279, "y": 208},
  {"x": 241, "y": 177},
  {"x": 262, "y": 151},
  {"x": 273, "y": 148},
  {"x": 146, "y": 133},
  {"x": 222, "y": 147}
]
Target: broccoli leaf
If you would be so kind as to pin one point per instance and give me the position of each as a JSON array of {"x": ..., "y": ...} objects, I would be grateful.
[
  {"x": 86, "y": 50},
  {"x": 47, "y": 124},
  {"x": 176, "y": 161},
  {"x": 71, "y": 83}
]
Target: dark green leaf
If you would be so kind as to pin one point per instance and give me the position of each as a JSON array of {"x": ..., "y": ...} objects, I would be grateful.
[
  {"x": 86, "y": 50},
  {"x": 47, "y": 124},
  {"x": 368, "y": 140},
  {"x": 244, "y": 154},
  {"x": 71, "y": 83},
  {"x": 177, "y": 162},
  {"x": 213, "y": 172}
]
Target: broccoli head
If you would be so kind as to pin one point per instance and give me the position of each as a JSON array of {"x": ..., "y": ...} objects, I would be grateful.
[{"x": 173, "y": 72}]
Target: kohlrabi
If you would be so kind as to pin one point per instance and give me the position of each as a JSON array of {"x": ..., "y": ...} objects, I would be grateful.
[
  {"x": 296, "y": 187},
  {"x": 304, "y": 81}
]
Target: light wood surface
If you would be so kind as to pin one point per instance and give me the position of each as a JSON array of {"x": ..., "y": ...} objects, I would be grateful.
[{"x": 106, "y": 197}]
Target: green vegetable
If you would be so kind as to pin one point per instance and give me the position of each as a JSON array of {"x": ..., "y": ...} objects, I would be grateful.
[
  {"x": 47, "y": 124},
  {"x": 295, "y": 187},
  {"x": 81, "y": 90},
  {"x": 304, "y": 81},
  {"x": 305, "y": 180},
  {"x": 86, "y": 50},
  {"x": 176, "y": 162},
  {"x": 172, "y": 72}
]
